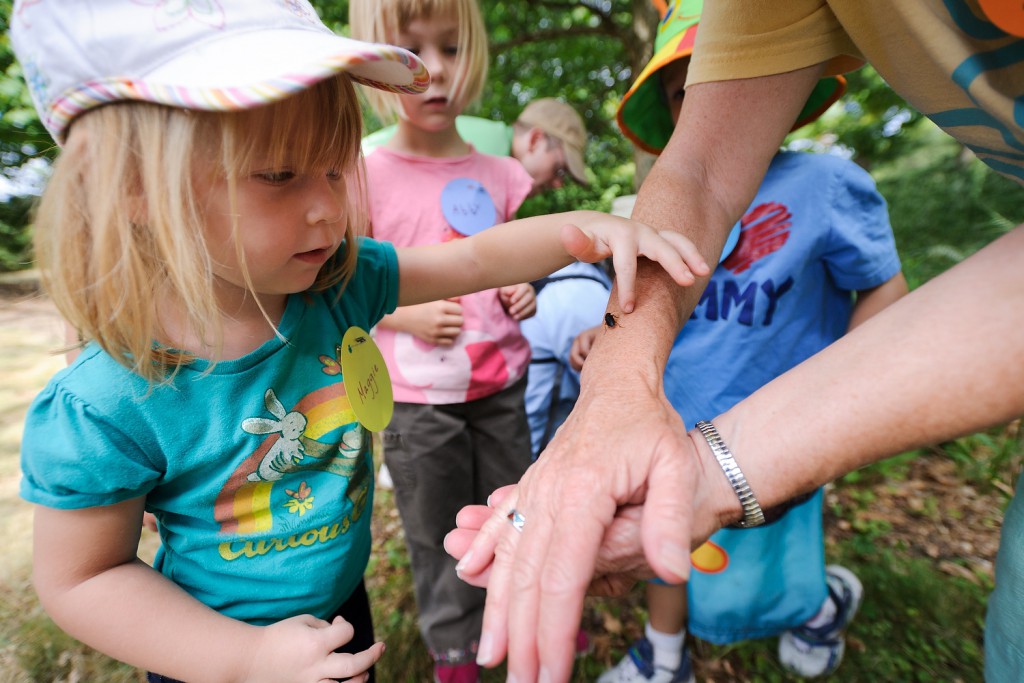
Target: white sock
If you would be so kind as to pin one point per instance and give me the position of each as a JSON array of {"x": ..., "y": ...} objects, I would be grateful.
[
  {"x": 825, "y": 615},
  {"x": 668, "y": 647}
]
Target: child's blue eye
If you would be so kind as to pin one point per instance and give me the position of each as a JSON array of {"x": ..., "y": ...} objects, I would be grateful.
[
  {"x": 275, "y": 177},
  {"x": 451, "y": 50}
]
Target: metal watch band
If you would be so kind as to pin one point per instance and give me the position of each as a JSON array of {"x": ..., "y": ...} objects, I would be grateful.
[{"x": 752, "y": 513}]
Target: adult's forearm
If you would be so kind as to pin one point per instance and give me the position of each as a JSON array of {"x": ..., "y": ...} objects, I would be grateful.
[
  {"x": 700, "y": 187},
  {"x": 946, "y": 360}
]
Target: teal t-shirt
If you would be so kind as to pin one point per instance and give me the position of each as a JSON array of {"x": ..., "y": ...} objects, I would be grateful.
[
  {"x": 487, "y": 136},
  {"x": 257, "y": 471}
]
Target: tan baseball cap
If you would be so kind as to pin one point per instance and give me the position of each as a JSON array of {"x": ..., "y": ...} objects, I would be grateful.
[{"x": 559, "y": 120}]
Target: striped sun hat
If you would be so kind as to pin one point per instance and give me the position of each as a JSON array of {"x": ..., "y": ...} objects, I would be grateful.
[
  {"x": 644, "y": 116},
  {"x": 216, "y": 55}
]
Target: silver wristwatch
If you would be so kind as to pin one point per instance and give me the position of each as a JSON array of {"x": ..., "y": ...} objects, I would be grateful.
[{"x": 752, "y": 513}]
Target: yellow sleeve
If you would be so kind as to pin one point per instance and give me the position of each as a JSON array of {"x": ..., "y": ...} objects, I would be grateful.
[{"x": 749, "y": 38}]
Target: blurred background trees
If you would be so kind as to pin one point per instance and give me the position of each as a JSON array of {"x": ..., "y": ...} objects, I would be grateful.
[
  {"x": 944, "y": 203},
  {"x": 883, "y": 521}
]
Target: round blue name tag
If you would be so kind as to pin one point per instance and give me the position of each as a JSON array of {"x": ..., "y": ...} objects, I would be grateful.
[
  {"x": 730, "y": 242},
  {"x": 467, "y": 206}
]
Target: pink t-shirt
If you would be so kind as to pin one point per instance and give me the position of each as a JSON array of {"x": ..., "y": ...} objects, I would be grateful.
[{"x": 418, "y": 200}]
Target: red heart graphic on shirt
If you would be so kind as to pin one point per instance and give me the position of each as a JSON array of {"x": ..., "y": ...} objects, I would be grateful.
[{"x": 763, "y": 230}]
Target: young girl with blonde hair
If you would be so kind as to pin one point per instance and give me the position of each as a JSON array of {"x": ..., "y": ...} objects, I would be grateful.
[
  {"x": 200, "y": 232},
  {"x": 459, "y": 366}
]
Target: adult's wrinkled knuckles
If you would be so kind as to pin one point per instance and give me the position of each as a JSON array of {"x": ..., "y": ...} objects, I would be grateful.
[
  {"x": 525, "y": 571},
  {"x": 563, "y": 577},
  {"x": 582, "y": 492}
]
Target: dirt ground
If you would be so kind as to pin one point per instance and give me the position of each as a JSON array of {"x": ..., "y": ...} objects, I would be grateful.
[
  {"x": 31, "y": 343},
  {"x": 30, "y": 333}
]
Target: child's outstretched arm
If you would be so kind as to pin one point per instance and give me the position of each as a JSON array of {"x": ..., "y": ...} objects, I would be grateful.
[
  {"x": 871, "y": 301},
  {"x": 93, "y": 585},
  {"x": 529, "y": 248}
]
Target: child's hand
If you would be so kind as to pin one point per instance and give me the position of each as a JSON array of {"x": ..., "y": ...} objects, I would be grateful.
[
  {"x": 302, "y": 650},
  {"x": 519, "y": 301},
  {"x": 436, "y": 322},
  {"x": 468, "y": 523},
  {"x": 581, "y": 346},
  {"x": 624, "y": 241}
]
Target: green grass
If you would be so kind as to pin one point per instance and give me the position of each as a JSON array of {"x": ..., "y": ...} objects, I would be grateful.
[
  {"x": 915, "y": 625},
  {"x": 944, "y": 207}
]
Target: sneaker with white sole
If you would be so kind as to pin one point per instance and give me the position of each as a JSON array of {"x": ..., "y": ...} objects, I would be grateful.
[
  {"x": 812, "y": 652},
  {"x": 638, "y": 667}
]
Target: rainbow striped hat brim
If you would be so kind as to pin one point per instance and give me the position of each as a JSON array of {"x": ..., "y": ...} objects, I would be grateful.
[{"x": 215, "y": 55}]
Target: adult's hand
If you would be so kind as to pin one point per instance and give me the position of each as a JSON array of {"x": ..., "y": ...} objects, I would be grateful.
[
  {"x": 576, "y": 503},
  {"x": 623, "y": 444},
  {"x": 620, "y": 561}
]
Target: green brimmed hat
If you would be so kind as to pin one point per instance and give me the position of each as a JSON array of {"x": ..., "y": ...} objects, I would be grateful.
[{"x": 644, "y": 116}]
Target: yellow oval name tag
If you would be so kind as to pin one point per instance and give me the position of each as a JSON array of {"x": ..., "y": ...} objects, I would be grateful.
[{"x": 366, "y": 379}]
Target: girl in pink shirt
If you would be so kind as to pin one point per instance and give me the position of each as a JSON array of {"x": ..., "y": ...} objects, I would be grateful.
[{"x": 457, "y": 366}]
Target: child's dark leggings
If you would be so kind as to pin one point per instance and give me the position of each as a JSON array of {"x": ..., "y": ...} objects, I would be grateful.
[{"x": 355, "y": 611}]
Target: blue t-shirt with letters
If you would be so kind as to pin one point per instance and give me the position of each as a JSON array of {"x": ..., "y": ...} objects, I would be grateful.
[{"x": 816, "y": 232}]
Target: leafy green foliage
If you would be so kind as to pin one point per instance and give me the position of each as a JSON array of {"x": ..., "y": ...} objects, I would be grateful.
[
  {"x": 871, "y": 120},
  {"x": 944, "y": 204},
  {"x": 15, "y": 239},
  {"x": 22, "y": 136}
]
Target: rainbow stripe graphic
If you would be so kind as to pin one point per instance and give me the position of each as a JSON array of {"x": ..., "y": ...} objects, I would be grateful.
[{"x": 243, "y": 507}]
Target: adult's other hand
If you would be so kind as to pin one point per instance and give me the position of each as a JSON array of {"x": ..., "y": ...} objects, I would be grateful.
[{"x": 583, "y": 529}]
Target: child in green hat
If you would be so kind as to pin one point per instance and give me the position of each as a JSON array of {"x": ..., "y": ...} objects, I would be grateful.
[{"x": 815, "y": 257}]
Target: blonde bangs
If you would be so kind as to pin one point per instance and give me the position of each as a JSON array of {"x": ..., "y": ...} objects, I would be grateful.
[{"x": 380, "y": 21}]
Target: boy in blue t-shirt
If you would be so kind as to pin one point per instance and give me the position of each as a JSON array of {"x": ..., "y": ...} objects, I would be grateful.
[{"x": 815, "y": 257}]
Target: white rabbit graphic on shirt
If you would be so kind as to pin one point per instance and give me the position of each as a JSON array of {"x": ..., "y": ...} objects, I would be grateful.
[{"x": 287, "y": 450}]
